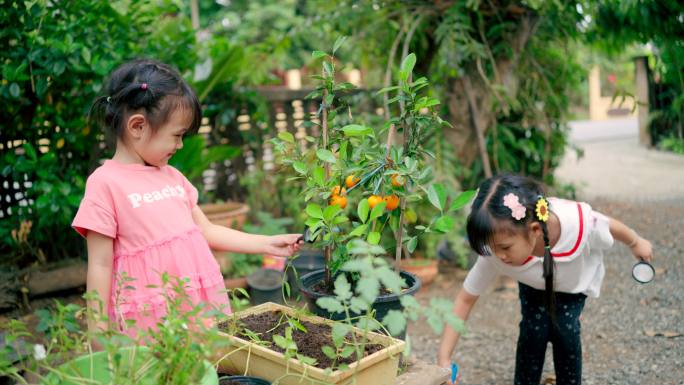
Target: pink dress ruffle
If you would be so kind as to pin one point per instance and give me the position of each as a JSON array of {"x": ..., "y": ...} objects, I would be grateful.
[{"x": 186, "y": 256}]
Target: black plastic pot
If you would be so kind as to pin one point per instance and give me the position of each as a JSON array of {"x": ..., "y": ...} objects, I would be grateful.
[
  {"x": 382, "y": 305},
  {"x": 306, "y": 262},
  {"x": 242, "y": 380},
  {"x": 265, "y": 285}
]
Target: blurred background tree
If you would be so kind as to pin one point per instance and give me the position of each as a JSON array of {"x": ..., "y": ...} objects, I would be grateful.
[{"x": 509, "y": 72}]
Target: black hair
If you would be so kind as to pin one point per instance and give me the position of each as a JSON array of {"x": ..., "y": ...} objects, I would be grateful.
[
  {"x": 147, "y": 85},
  {"x": 489, "y": 215}
]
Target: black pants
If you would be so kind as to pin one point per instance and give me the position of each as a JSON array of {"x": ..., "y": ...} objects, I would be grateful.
[{"x": 537, "y": 330}]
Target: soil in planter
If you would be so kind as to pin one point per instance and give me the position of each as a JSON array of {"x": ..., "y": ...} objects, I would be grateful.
[{"x": 308, "y": 344}]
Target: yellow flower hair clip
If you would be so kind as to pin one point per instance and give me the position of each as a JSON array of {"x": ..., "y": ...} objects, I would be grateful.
[{"x": 542, "y": 209}]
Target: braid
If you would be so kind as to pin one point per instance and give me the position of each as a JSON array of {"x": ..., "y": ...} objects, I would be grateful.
[{"x": 548, "y": 274}]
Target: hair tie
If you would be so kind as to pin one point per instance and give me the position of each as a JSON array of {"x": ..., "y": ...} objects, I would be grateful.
[
  {"x": 143, "y": 86},
  {"x": 512, "y": 202},
  {"x": 542, "y": 209}
]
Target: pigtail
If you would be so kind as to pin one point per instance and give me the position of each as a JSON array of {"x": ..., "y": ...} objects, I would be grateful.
[
  {"x": 542, "y": 214},
  {"x": 549, "y": 267}
]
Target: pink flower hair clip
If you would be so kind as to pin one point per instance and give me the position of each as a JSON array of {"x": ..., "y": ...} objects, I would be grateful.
[{"x": 512, "y": 202}]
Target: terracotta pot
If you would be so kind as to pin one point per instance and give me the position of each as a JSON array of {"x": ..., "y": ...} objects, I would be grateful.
[
  {"x": 425, "y": 269},
  {"x": 236, "y": 283},
  {"x": 229, "y": 214}
]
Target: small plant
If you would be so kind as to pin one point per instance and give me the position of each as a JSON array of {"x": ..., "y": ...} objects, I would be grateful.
[{"x": 175, "y": 352}]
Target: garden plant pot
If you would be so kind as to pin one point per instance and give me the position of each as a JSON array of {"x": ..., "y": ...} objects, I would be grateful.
[
  {"x": 236, "y": 283},
  {"x": 229, "y": 214},
  {"x": 249, "y": 358},
  {"x": 242, "y": 380},
  {"x": 94, "y": 369},
  {"x": 306, "y": 262},
  {"x": 425, "y": 269},
  {"x": 265, "y": 285},
  {"x": 383, "y": 304}
]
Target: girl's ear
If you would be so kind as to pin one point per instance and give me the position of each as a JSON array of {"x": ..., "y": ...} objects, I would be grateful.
[
  {"x": 535, "y": 229},
  {"x": 135, "y": 126}
]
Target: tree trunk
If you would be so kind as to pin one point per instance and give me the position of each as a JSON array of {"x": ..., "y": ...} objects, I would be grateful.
[{"x": 464, "y": 120}]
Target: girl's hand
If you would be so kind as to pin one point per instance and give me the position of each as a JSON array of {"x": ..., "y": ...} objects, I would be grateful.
[
  {"x": 283, "y": 245},
  {"x": 446, "y": 364},
  {"x": 643, "y": 249}
]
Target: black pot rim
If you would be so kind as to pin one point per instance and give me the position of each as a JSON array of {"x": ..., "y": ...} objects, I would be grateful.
[
  {"x": 411, "y": 290},
  {"x": 248, "y": 378}
]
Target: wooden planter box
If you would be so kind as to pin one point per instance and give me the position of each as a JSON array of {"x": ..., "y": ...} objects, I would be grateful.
[{"x": 246, "y": 358}]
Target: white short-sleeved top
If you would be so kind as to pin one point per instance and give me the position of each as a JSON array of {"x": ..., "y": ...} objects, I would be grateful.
[{"x": 578, "y": 255}]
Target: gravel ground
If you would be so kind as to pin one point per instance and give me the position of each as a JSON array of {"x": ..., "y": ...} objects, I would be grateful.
[{"x": 632, "y": 333}]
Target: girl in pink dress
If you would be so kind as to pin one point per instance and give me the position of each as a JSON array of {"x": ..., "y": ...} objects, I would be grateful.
[{"x": 140, "y": 216}]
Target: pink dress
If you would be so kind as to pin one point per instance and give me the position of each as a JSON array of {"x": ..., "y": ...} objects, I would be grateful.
[{"x": 147, "y": 211}]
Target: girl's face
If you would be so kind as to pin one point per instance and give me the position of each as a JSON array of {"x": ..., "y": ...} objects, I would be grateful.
[
  {"x": 514, "y": 247},
  {"x": 155, "y": 148}
]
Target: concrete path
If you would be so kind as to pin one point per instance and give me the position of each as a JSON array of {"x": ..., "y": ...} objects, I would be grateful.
[{"x": 615, "y": 166}]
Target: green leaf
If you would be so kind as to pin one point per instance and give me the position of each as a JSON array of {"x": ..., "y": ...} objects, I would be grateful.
[
  {"x": 319, "y": 176},
  {"x": 362, "y": 210},
  {"x": 387, "y": 89},
  {"x": 30, "y": 151},
  {"x": 340, "y": 219},
  {"x": 347, "y": 351},
  {"x": 338, "y": 43},
  {"x": 373, "y": 238},
  {"x": 330, "y": 212},
  {"x": 318, "y": 54},
  {"x": 342, "y": 288},
  {"x": 358, "y": 231},
  {"x": 281, "y": 341},
  {"x": 300, "y": 167},
  {"x": 411, "y": 244},
  {"x": 326, "y": 155},
  {"x": 306, "y": 359},
  {"x": 462, "y": 199},
  {"x": 353, "y": 130},
  {"x": 328, "y": 68},
  {"x": 286, "y": 137},
  {"x": 314, "y": 211},
  {"x": 330, "y": 304},
  {"x": 395, "y": 322},
  {"x": 368, "y": 288},
  {"x": 14, "y": 89},
  {"x": 437, "y": 195},
  {"x": 339, "y": 331},
  {"x": 378, "y": 210},
  {"x": 329, "y": 352},
  {"x": 444, "y": 224},
  {"x": 408, "y": 63},
  {"x": 85, "y": 53}
]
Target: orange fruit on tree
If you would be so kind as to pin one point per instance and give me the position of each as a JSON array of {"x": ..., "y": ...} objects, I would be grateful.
[
  {"x": 351, "y": 181},
  {"x": 373, "y": 200},
  {"x": 392, "y": 202},
  {"x": 338, "y": 190},
  {"x": 338, "y": 200},
  {"x": 398, "y": 180}
]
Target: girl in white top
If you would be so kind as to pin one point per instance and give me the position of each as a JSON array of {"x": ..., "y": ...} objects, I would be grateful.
[{"x": 554, "y": 249}]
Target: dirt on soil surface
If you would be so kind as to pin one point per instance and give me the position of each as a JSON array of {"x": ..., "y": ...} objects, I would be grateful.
[
  {"x": 633, "y": 334},
  {"x": 309, "y": 343}
]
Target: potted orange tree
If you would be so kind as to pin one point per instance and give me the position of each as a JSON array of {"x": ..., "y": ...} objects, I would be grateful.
[
  {"x": 356, "y": 228},
  {"x": 358, "y": 183}
]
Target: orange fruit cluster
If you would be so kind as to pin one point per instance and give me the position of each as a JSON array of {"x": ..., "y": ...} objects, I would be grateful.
[{"x": 392, "y": 201}]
